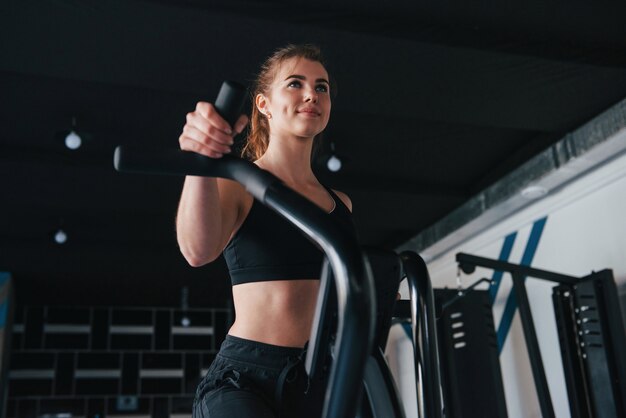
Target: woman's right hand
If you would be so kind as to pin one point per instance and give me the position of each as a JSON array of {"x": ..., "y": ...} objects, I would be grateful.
[{"x": 207, "y": 133}]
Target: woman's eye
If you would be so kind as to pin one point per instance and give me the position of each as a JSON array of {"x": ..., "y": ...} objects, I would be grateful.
[
  {"x": 323, "y": 88},
  {"x": 294, "y": 84}
]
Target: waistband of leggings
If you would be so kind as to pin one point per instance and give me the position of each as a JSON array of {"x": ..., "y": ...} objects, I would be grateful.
[{"x": 256, "y": 352}]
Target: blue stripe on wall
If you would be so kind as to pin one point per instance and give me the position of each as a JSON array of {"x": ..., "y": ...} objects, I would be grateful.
[
  {"x": 4, "y": 277},
  {"x": 4, "y": 310},
  {"x": 406, "y": 326},
  {"x": 4, "y": 304},
  {"x": 505, "y": 253},
  {"x": 511, "y": 302}
]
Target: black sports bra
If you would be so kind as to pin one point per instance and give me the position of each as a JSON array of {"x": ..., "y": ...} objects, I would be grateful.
[{"x": 267, "y": 247}]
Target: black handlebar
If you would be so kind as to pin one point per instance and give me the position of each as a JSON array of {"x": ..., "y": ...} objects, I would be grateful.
[
  {"x": 424, "y": 327},
  {"x": 230, "y": 100}
]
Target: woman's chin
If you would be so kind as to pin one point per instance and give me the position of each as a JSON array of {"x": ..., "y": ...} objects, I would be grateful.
[{"x": 310, "y": 132}]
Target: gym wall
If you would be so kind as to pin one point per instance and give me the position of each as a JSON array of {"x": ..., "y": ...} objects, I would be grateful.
[
  {"x": 99, "y": 361},
  {"x": 574, "y": 230}
]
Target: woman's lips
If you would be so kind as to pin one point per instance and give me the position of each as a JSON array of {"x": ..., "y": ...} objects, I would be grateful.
[{"x": 309, "y": 112}]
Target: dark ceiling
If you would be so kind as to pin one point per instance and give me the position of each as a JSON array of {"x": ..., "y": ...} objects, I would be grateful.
[{"x": 436, "y": 101}]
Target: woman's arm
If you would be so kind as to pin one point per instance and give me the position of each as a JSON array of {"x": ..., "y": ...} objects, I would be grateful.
[{"x": 209, "y": 208}]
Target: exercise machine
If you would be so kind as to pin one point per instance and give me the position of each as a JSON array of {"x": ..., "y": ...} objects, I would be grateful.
[{"x": 591, "y": 336}]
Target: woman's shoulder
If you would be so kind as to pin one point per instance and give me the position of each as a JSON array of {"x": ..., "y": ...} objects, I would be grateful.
[{"x": 344, "y": 198}]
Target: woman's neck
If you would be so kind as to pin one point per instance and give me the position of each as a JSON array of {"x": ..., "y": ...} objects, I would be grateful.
[{"x": 289, "y": 159}]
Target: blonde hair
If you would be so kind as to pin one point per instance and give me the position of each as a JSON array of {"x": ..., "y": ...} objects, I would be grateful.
[{"x": 259, "y": 131}]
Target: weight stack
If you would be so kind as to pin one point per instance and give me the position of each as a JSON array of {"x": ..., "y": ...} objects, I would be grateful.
[
  {"x": 471, "y": 375},
  {"x": 593, "y": 343}
]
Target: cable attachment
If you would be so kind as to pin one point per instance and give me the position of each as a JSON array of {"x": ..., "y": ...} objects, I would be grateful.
[{"x": 459, "y": 284}]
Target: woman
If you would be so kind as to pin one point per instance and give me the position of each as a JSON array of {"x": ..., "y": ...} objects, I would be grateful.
[{"x": 274, "y": 269}]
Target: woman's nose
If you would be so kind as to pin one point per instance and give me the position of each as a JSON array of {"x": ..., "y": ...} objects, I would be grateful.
[{"x": 311, "y": 96}]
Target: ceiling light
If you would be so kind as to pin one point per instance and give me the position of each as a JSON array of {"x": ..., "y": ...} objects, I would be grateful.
[
  {"x": 184, "y": 305},
  {"x": 334, "y": 163},
  {"x": 60, "y": 237},
  {"x": 73, "y": 140},
  {"x": 534, "y": 192}
]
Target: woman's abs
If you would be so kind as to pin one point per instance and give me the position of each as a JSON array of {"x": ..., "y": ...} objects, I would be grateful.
[{"x": 275, "y": 312}]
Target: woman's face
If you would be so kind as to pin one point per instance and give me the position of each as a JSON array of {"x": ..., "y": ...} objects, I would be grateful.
[{"x": 299, "y": 99}]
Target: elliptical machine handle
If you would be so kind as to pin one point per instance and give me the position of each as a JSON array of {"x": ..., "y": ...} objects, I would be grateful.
[{"x": 230, "y": 100}]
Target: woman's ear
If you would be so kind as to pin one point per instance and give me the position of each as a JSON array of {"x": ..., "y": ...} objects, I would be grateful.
[{"x": 261, "y": 103}]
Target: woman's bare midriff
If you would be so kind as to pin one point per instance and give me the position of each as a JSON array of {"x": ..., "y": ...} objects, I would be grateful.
[{"x": 275, "y": 312}]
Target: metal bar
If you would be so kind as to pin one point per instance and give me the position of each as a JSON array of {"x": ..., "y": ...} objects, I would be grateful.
[
  {"x": 414, "y": 314},
  {"x": 472, "y": 260},
  {"x": 462, "y": 294},
  {"x": 356, "y": 310},
  {"x": 423, "y": 309},
  {"x": 536, "y": 363}
]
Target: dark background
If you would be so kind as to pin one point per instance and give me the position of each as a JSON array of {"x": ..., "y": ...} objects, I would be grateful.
[{"x": 436, "y": 101}]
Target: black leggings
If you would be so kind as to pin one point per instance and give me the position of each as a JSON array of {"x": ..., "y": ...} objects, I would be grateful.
[{"x": 249, "y": 379}]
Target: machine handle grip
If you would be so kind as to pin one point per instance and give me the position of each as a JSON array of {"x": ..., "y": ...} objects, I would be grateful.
[{"x": 230, "y": 100}]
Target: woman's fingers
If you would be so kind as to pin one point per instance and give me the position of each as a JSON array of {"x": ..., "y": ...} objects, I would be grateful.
[
  {"x": 187, "y": 144},
  {"x": 207, "y": 133},
  {"x": 241, "y": 123},
  {"x": 196, "y": 135},
  {"x": 210, "y": 149},
  {"x": 208, "y": 112},
  {"x": 208, "y": 129}
]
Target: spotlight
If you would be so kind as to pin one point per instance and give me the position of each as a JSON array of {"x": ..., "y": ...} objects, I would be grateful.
[
  {"x": 73, "y": 141},
  {"x": 184, "y": 305},
  {"x": 333, "y": 163},
  {"x": 534, "y": 192},
  {"x": 60, "y": 237}
]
